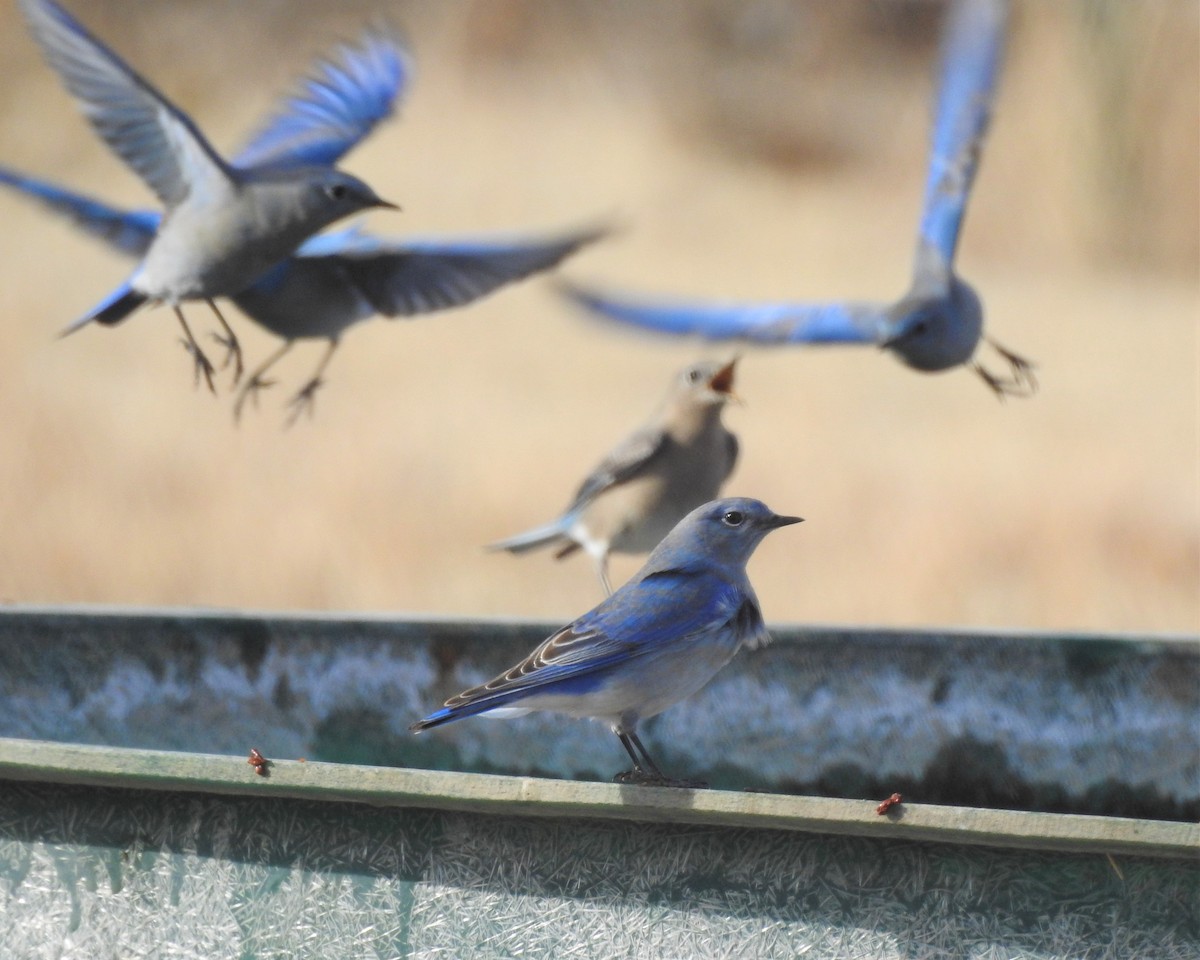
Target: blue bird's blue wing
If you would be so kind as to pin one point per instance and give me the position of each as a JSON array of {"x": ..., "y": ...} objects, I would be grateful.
[
  {"x": 832, "y": 322},
  {"x": 638, "y": 620},
  {"x": 413, "y": 277},
  {"x": 972, "y": 48},
  {"x": 128, "y": 231},
  {"x": 338, "y": 104},
  {"x": 149, "y": 133}
]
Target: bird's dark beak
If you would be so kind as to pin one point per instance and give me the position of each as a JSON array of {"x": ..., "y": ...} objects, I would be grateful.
[
  {"x": 386, "y": 204},
  {"x": 778, "y": 521},
  {"x": 722, "y": 380}
]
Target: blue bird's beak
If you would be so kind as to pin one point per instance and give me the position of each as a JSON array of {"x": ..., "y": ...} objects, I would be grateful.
[{"x": 779, "y": 521}]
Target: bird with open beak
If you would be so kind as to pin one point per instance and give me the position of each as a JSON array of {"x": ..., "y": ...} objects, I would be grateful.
[{"x": 652, "y": 479}]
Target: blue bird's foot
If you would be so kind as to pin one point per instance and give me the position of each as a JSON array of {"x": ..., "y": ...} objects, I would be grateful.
[
  {"x": 250, "y": 391},
  {"x": 644, "y": 778},
  {"x": 233, "y": 354},
  {"x": 229, "y": 340},
  {"x": 303, "y": 401},
  {"x": 645, "y": 771},
  {"x": 1020, "y": 382},
  {"x": 201, "y": 365}
]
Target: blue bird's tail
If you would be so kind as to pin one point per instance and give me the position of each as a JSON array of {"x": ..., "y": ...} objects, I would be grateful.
[
  {"x": 492, "y": 706},
  {"x": 111, "y": 310}
]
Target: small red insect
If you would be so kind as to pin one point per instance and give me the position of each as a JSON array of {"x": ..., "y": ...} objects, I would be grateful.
[
  {"x": 258, "y": 762},
  {"x": 894, "y": 800}
]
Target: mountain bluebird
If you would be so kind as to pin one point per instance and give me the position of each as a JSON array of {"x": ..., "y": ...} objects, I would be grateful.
[
  {"x": 658, "y": 639},
  {"x": 335, "y": 280},
  {"x": 225, "y": 225},
  {"x": 938, "y": 323},
  {"x": 652, "y": 479}
]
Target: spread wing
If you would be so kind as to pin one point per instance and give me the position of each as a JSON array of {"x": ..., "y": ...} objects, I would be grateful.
[
  {"x": 832, "y": 322},
  {"x": 335, "y": 107},
  {"x": 972, "y": 48},
  {"x": 128, "y": 231},
  {"x": 141, "y": 126},
  {"x": 401, "y": 279}
]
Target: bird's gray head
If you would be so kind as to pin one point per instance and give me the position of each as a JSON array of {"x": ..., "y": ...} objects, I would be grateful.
[
  {"x": 311, "y": 197},
  {"x": 936, "y": 331},
  {"x": 720, "y": 531},
  {"x": 344, "y": 195},
  {"x": 709, "y": 382}
]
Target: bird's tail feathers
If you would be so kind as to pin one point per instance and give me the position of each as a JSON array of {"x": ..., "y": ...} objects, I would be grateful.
[
  {"x": 111, "y": 310},
  {"x": 489, "y": 705},
  {"x": 543, "y": 536}
]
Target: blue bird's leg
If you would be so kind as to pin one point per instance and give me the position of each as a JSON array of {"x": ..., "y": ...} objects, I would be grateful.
[
  {"x": 256, "y": 382},
  {"x": 1020, "y": 381},
  {"x": 304, "y": 400},
  {"x": 233, "y": 349},
  {"x": 645, "y": 771},
  {"x": 201, "y": 362}
]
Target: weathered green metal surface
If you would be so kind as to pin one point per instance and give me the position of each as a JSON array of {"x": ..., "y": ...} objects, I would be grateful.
[
  {"x": 1086, "y": 724},
  {"x": 197, "y": 856},
  {"x": 33, "y": 760}
]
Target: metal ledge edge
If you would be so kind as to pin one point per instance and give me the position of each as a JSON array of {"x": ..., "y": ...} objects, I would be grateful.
[{"x": 78, "y": 764}]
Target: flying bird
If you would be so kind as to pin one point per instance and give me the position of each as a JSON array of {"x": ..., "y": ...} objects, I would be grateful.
[
  {"x": 225, "y": 224},
  {"x": 938, "y": 324}
]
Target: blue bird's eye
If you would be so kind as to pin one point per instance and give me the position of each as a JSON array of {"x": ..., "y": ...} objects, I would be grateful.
[
  {"x": 733, "y": 518},
  {"x": 337, "y": 191}
]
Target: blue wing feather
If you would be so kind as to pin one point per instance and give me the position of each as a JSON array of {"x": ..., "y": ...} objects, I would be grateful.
[
  {"x": 336, "y": 106},
  {"x": 972, "y": 49},
  {"x": 831, "y": 322},
  {"x": 128, "y": 231}
]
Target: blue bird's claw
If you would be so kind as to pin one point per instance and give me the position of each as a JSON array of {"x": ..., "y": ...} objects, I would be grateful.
[
  {"x": 303, "y": 401},
  {"x": 642, "y": 778},
  {"x": 1020, "y": 381},
  {"x": 201, "y": 365}
]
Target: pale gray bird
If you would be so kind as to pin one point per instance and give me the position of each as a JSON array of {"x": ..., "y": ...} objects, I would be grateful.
[
  {"x": 225, "y": 225},
  {"x": 658, "y": 639},
  {"x": 649, "y": 482}
]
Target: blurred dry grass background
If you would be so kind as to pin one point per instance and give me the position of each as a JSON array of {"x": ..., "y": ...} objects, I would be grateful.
[{"x": 762, "y": 149}]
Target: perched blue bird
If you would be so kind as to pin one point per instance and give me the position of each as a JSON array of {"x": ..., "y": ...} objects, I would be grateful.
[
  {"x": 661, "y": 637},
  {"x": 334, "y": 280},
  {"x": 225, "y": 224},
  {"x": 938, "y": 323}
]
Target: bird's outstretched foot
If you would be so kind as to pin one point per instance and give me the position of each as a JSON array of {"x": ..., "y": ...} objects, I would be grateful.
[
  {"x": 233, "y": 353},
  {"x": 1020, "y": 381},
  {"x": 303, "y": 401},
  {"x": 249, "y": 391},
  {"x": 644, "y": 778},
  {"x": 201, "y": 365}
]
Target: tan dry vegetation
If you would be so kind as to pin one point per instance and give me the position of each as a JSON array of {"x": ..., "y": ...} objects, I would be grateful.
[{"x": 927, "y": 501}]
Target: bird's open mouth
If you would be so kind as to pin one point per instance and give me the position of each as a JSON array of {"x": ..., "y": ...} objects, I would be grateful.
[{"x": 722, "y": 381}]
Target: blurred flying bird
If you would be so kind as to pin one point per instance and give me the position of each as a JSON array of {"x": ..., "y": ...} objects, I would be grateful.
[
  {"x": 652, "y": 479},
  {"x": 661, "y": 637},
  {"x": 938, "y": 323},
  {"x": 225, "y": 224},
  {"x": 335, "y": 280}
]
